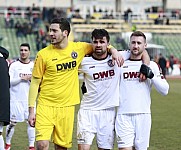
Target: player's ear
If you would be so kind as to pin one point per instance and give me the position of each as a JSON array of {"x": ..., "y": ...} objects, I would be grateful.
[
  {"x": 65, "y": 33},
  {"x": 145, "y": 45}
]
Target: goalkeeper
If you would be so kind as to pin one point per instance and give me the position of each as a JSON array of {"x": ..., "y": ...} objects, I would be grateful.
[{"x": 133, "y": 121}]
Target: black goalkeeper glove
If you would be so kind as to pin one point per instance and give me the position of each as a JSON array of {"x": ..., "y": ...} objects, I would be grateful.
[
  {"x": 83, "y": 88},
  {"x": 146, "y": 71}
]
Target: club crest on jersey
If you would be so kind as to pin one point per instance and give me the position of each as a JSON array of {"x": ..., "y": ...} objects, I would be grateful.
[
  {"x": 74, "y": 55},
  {"x": 110, "y": 64}
]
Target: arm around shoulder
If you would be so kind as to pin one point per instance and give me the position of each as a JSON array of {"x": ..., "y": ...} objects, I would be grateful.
[
  {"x": 146, "y": 58},
  {"x": 116, "y": 56}
]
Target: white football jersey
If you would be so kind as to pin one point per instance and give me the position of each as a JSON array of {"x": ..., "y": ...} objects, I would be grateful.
[
  {"x": 101, "y": 79},
  {"x": 135, "y": 95},
  {"x": 19, "y": 89}
]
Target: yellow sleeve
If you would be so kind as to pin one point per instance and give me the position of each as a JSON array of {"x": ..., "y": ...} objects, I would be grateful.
[
  {"x": 88, "y": 48},
  {"x": 33, "y": 91},
  {"x": 39, "y": 67},
  {"x": 109, "y": 47}
]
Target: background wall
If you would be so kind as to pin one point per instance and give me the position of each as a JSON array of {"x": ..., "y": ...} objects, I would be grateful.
[{"x": 40, "y": 3}]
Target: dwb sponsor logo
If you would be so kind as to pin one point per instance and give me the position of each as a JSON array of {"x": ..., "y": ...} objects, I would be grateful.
[
  {"x": 130, "y": 75},
  {"x": 66, "y": 66},
  {"x": 104, "y": 74}
]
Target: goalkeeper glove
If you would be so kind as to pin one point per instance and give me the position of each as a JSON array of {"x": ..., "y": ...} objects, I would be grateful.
[{"x": 146, "y": 71}]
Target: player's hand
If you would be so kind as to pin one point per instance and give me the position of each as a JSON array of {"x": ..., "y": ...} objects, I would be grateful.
[
  {"x": 26, "y": 77},
  {"x": 31, "y": 119},
  {"x": 145, "y": 72},
  {"x": 142, "y": 77},
  {"x": 118, "y": 58}
]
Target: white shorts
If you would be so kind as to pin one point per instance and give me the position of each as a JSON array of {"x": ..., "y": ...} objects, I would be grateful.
[
  {"x": 133, "y": 130},
  {"x": 18, "y": 111},
  {"x": 100, "y": 123}
]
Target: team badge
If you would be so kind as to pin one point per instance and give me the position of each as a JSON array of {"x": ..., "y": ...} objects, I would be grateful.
[
  {"x": 110, "y": 64},
  {"x": 74, "y": 55}
]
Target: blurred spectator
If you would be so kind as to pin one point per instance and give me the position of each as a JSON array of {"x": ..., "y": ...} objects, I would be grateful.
[
  {"x": 121, "y": 41},
  {"x": 18, "y": 11},
  {"x": 100, "y": 10},
  {"x": 167, "y": 21},
  {"x": 76, "y": 14},
  {"x": 156, "y": 21},
  {"x": 162, "y": 63},
  {"x": 127, "y": 13},
  {"x": 45, "y": 14},
  {"x": 69, "y": 14},
  {"x": 19, "y": 29},
  {"x": 171, "y": 60},
  {"x": 11, "y": 10},
  {"x": 29, "y": 14},
  {"x": 38, "y": 42},
  {"x": 168, "y": 66},
  {"x": 9, "y": 21},
  {"x": 42, "y": 40},
  {"x": 88, "y": 16},
  {"x": 159, "y": 20},
  {"x": 106, "y": 16},
  {"x": 174, "y": 14},
  {"x": 111, "y": 16}
]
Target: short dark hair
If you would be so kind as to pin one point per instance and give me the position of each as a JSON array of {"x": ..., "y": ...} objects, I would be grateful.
[
  {"x": 63, "y": 23},
  {"x": 25, "y": 44},
  {"x": 138, "y": 33},
  {"x": 100, "y": 33}
]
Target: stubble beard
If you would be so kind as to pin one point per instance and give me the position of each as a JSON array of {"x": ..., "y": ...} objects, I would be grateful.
[
  {"x": 100, "y": 53},
  {"x": 58, "y": 42}
]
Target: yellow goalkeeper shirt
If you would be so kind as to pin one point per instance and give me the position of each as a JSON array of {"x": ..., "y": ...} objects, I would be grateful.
[{"x": 58, "y": 70}]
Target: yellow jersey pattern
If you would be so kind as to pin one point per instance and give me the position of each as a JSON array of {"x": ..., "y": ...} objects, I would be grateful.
[{"x": 58, "y": 69}]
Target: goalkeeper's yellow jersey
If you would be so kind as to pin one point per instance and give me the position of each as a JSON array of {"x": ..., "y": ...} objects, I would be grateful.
[{"x": 58, "y": 69}]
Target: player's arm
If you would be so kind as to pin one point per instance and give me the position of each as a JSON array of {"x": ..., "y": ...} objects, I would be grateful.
[
  {"x": 37, "y": 75},
  {"x": 146, "y": 58},
  {"x": 13, "y": 80},
  {"x": 26, "y": 78},
  {"x": 116, "y": 56},
  {"x": 159, "y": 82},
  {"x": 33, "y": 93},
  {"x": 146, "y": 61},
  {"x": 16, "y": 80},
  {"x": 125, "y": 54}
]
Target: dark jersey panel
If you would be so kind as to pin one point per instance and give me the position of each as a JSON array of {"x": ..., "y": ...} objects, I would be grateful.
[{"x": 4, "y": 92}]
